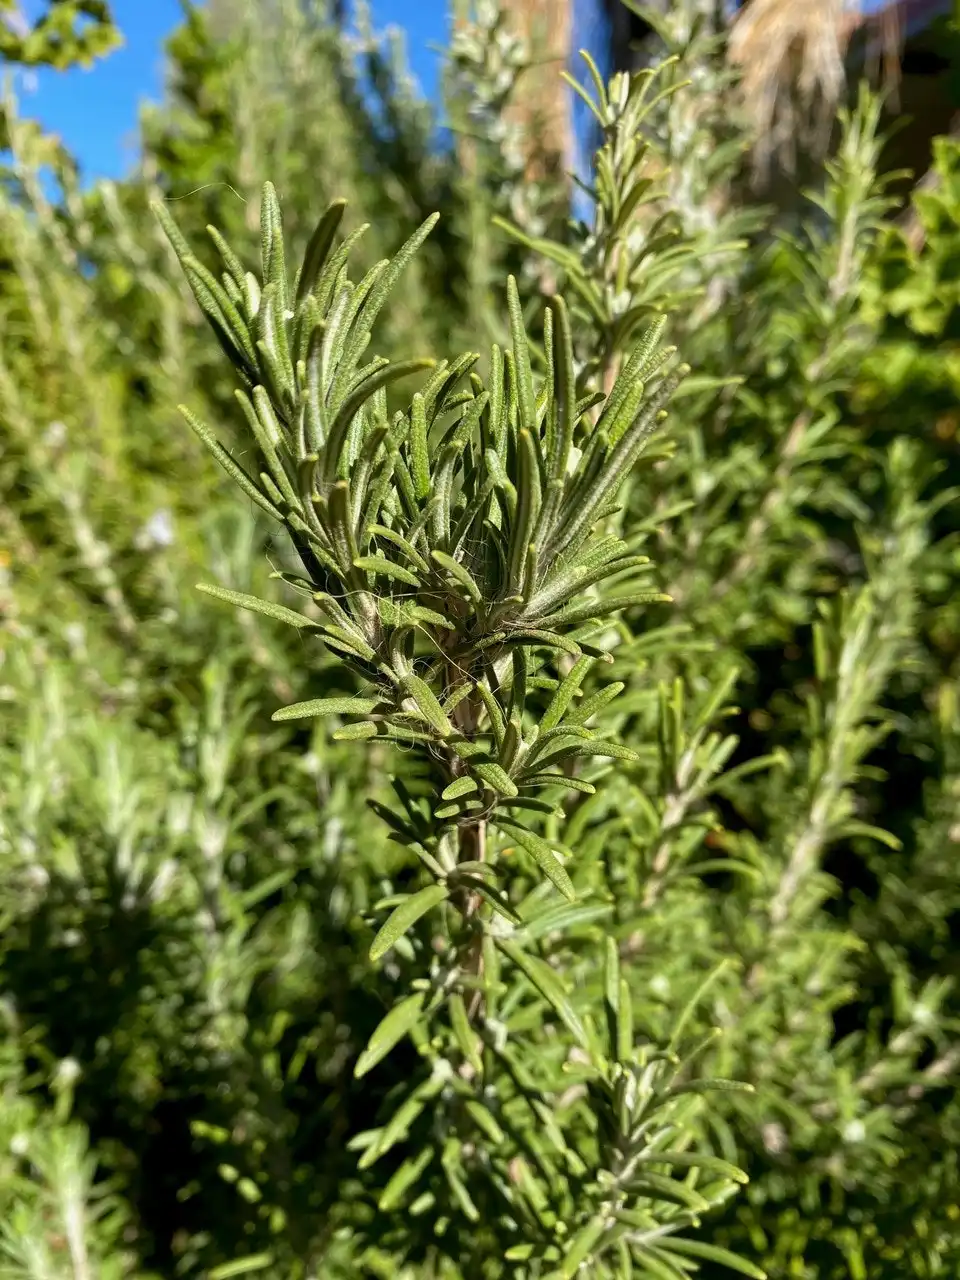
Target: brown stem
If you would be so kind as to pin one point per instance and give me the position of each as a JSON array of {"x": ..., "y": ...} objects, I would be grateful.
[{"x": 472, "y": 842}]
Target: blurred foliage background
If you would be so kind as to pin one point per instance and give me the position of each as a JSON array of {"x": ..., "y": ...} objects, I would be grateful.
[{"x": 186, "y": 887}]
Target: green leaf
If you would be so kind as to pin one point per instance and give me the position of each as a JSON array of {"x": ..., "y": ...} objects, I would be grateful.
[
  {"x": 457, "y": 809},
  {"x": 531, "y": 804},
  {"x": 273, "y": 346},
  {"x": 542, "y": 854},
  {"x": 625, "y": 1022},
  {"x": 427, "y": 704},
  {"x": 498, "y": 724},
  {"x": 690, "y": 1007},
  {"x": 319, "y": 247},
  {"x": 462, "y": 575},
  {"x": 571, "y": 750},
  {"x": 655, "y": 1186},
  {"x": 405, "y": 916},
  {"x": 401, "y": 1019},
  {"x": 356, "y": 732},
  {"x": 526, "y": 401},
  {"x": 266, "y": 429},
  {"x": 527, "y": 510},
  {"x": 495, "y": 778},
  {"x": 497, "y": 900},
  {"x": 460, "y": 787},
  {"x": 357, "y": 397},
  {"x": 635, "y": 369},
  {"x": 242, "y": 1266},
  {"x": 349, "y": 640},
  {"x": 611, "y": 995},
  {"x": 519, "y": 1252},
  {"x": 557, "y": 919},
  {"x": 419, "y": 453},
  {"x": 711, "y": 1086},
  {"x": 404, "y": 1178},
  {"x": 581, "y": 1246},
  {"x": 418, "y": 613},
  {"x": 565, "y": 390},
  {"x": 544, "y": 979},
  {"x": 408, "y": 549},
  {"x": 484, "y": 1121},
  {"x": 590, "y": 706},
  {"x": 867, "y": 831},
  {"x": 566, "y": 692},
  {"x": 712, "y": 1253},
  {"x": 381, "y": 565},
  {"x": 327, "y": 707},
  {"x": 534, "y": 639},
  {"x": 603, "y": 608},
  {"x": 695, "y": 1160},
  {"x": 227, "y": 322},
  {"x": 230, "y": 464},
  {"x": 559, "y": 780},
  {"x": 460, "y": 1192},
  {"x": 581, "y": 507},
  {"x": 397, "y": 1127},
  {"x": 656, "y": 1264},
  {"x": 266, "y": 887},
  {"x": 391, "y": 275},
  {"x": 273, "y": 265},
  {"x": 467, "y": 1039},
  {"x": 256, "y": 605},
  {"x": 171, "y": 230}
]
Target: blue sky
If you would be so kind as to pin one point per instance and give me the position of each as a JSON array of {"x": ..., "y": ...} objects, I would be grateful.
[{"x": 95, "y": 111}]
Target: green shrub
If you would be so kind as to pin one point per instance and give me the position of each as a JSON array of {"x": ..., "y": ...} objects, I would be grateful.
[{"x": 462, "y": 999}]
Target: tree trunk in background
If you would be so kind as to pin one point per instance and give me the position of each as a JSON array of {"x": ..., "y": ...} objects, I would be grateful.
[{"x": 542, "y": 106}]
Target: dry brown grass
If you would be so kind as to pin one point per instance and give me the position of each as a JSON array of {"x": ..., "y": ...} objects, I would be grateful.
[{"x": 792, "y": 58}]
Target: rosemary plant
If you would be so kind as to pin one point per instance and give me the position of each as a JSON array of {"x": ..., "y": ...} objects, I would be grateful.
[
  {"x": 204, "y": 1074},
  {"x": 453, "y": 559}
]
